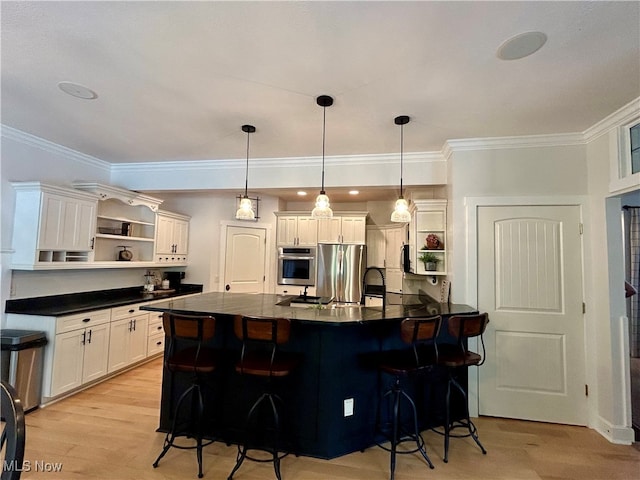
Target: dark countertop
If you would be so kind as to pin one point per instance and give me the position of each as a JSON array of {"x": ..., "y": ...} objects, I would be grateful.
[
  {"x": 224, "y": 303},
  {"x": 58, "y": 305}
]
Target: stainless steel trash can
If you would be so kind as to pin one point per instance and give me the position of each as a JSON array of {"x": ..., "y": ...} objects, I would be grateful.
[{"x": 21, "y": 364}]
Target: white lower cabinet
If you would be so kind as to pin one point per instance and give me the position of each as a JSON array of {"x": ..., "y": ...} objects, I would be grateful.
[
  {"x": 80, "y": 357},
  {"x": 80, "y": 351},
  {"x": 155, "y": 339},
  {"x": 129, "y": 337}
]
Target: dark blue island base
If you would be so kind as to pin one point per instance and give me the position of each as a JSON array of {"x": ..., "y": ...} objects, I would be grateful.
[{"x": 338, "y": 348}]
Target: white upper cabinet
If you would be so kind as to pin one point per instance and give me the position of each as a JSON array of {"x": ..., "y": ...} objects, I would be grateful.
[
  {"x": 296, "y": 230},
  {"x": 172, "y": 238},
  {"x": 53, "y": 225},
  {"x": 343, "y": 228}
]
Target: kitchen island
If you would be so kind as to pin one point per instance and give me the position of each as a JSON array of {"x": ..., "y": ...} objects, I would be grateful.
[{"x": 338, "y": 345}]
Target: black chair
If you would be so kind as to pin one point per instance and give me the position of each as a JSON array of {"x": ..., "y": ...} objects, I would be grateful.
[
  {"x": 261, "y": 357},
  {"x": 13, "y": 433},
  {"x": 188, "y": 354},
  {"x": 454, "y": 358},
  {"x": 421, "y": 334}
]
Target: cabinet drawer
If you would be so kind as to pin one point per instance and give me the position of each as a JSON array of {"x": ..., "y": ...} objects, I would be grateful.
[
  {"x": 155, "y": 344},
  {"x": 69, "y": 323},
  {"x": 127, "y": 311},
  {"x": 155, "y": 326}
]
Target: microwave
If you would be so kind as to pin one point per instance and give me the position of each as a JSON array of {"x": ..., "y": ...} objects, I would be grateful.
[{"x": 297, "y": 266}]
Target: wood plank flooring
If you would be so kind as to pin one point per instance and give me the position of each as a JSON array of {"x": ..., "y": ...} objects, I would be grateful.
[{"x": 108, "y": 432}]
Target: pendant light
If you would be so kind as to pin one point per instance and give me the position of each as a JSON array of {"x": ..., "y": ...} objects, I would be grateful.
[
  {"x": 401, "y": 212},
  {"x": 245, "y": 212},
  {"x": 323, "y": 210}
]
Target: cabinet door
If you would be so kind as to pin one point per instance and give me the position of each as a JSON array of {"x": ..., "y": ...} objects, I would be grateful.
[
  {"x": 307, "y": 231},
  {"x": 395, "y": 238},
  {"x": 51, "y": 222},
  {"x": 181, "y": 237},
  {"x": 67, "y": 362},
  {"x": 330, "y": 230},
  {"x": 394, "y": 280},
  {"x": 164, "y": 235},
  {"x": 375, "y": 248},
  {"x": 66, "y": 223},
  {"x": 138, "y": 338},
  {"x": 354, "y": 230},
  {"x": 96, "y": 352},
  {"x": 119, "y": 344},
  {"x": 287, "y": 230}
]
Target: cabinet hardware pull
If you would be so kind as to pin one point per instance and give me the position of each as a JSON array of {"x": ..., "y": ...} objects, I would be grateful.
[
  {"x": 134, "y": 324},
  {"x": 84, "y": 337},
  {"x": 85, "y": 320},
  {"x": 89, "y": 339},
  {"x": 92, "y": 243},
  {"x": 130, "y": 323},
  {"x": 158, "y": 343},
  {"x": 132, "y": 310},
  {"x": 159, "y": 328}
]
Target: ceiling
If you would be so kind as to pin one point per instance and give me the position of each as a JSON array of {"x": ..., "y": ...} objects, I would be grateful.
[{"x": 176, "y": 80}]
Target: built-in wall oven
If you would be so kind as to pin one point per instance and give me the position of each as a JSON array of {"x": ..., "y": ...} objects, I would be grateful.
[{"x": 297, "y": 266}]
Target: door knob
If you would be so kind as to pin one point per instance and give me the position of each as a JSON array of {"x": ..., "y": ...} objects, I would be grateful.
[{"x": 227, "y": 287}]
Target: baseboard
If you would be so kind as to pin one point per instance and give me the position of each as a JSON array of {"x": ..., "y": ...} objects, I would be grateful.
[{"x": 615, "y": 433}]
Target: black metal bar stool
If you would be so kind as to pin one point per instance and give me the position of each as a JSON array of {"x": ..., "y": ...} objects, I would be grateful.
[
  {"x": 188, "y": 354},
  {"x": 455, "y": 357},
  {"x": 421, "y": 334},
  {"x": 260, "y": 357}
]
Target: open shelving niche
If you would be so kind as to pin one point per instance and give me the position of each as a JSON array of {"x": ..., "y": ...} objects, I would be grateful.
[
  {"x": 430, "y": 218},
  {"x": 124, "y": 218}
]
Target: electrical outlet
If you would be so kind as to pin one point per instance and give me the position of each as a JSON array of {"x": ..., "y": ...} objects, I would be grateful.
[{"x": 348, "y": 407}]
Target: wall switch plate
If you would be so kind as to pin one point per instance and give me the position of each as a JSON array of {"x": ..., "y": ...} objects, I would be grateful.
[{"x": 348, "y": 407}]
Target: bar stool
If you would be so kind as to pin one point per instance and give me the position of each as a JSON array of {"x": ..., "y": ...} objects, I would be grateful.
[
  {"x": 455, "y": 357},
  {"x": 260, "y": 357},
  {"x": 187, "y": 354},
  {"x": 421, "y": 334}
]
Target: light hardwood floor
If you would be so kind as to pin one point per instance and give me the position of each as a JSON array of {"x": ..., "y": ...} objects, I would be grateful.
[{"x": 108, "y": 432}]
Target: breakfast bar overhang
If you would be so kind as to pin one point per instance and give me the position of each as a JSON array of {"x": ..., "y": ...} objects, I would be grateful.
[{"x": 338, "y": 345}]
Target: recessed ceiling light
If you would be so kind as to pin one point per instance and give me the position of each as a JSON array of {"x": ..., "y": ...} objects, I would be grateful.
[
  {"x": 301, "y": 193},
  {"x": 77, "y": 90},
  {"x": 521, "y": 45},
  {"x": 353, "y": 192}
]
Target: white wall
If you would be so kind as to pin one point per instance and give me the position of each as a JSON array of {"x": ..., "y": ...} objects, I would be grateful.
[
  {"x": 507, "y": 172},
  {"x": 27, "y": 158},
  {"x": 207, "y": 211}
]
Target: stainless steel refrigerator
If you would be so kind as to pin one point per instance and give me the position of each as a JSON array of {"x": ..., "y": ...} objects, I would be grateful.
[{"x": 340, "y": 268}]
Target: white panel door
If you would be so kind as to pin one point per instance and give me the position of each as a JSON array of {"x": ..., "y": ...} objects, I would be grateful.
[
  {"x": 245, "y": 260},
  {"x": 530, "y": 284}
]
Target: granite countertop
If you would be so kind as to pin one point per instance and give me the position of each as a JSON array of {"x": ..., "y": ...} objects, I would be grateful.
[
  {"x": 225, "y": 303},
  {"x": 68, "y": 304}
]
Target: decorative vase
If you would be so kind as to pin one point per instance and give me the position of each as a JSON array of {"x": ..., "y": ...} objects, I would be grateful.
[{"x": 433, "y": 242}]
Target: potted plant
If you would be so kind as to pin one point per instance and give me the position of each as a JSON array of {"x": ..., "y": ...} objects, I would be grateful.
[{"x": 430, "y": 261}]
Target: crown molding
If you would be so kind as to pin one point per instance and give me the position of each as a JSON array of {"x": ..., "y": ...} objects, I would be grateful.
[
  {"x": 528, "y": 141},
  {"x": 622, "y": 116},
  {"x": 209, "y": 165},
  {"x": 19, "y": 136}
]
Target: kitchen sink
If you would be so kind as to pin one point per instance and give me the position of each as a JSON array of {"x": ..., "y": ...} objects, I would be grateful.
[{"x": 305, "y": 300}]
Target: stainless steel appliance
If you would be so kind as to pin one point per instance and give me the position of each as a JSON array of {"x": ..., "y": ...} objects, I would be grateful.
[
  {"x": 340, "y": 271},
  {"x": 297, "y": 266}
]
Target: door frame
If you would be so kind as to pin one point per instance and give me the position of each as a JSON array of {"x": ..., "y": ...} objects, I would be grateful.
[
  {"x": 471, "y": 206},
  {"x": 270, "y": 258}
]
